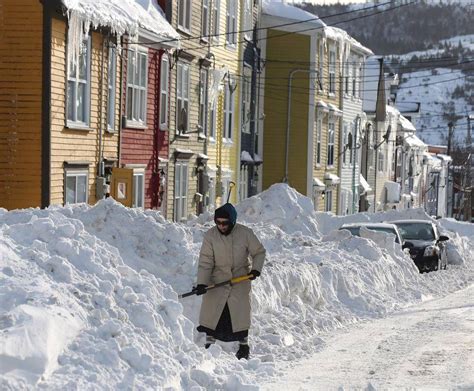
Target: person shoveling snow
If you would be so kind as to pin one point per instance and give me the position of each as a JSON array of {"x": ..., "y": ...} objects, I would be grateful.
[{"x": 225, "y": 311}]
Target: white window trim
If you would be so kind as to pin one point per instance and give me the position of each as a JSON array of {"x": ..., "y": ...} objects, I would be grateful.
[
  {"x": 321, "y": 66},
  {"x": 243, "y": 182},
  {"x": 112, "y": 89},
  {"x": 203, "y": 102},
  {"x": 136, "y": 173},
  {"x": 247, "y": 16},
  {"x": 215, "y": 16},
  {"x": 87, "y": 104},
  {"x": 205, "y": 27},
  {"x": 182, "y": 66},
  {"x": 333, "y": 131},
  {"x": 246, "y": 86},
  {"x": 76, "y": 172},
  {"x": 328, "y": 201},
  {"x": 131, "y": 122},
  {"x": 229, "y": 115},
  {"x": 345, "y": 137},
  {"x": 179, "y": 193},
  {"x": 213, "y": 121},
  {"x": 187, "y": 11},
  {"x": 332, "y": 72},
  {"x": 319, "y": 139},
  {"x": 164, "y": 92},
  {"x": 231, "y": 28}
]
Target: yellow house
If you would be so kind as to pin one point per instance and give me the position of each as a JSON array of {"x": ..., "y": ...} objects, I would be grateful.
[
  {"x": 61, "y": 99},
  {"x": 292, "y": 78}
]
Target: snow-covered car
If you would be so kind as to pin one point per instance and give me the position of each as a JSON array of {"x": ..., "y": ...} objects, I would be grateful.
[
  {"x": 427, "y": 246},
  {"x": 354, "y": 229}
]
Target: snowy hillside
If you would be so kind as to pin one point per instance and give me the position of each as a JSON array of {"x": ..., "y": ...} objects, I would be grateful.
[{"x": 89, "y": 293}]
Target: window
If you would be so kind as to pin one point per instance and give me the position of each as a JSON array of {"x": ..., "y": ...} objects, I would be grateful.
[
  {"x": 246, "y": 97},
  {"x": 137, "y": 86},
  {"x": 328, "y": 201},
  {"x": 112, "y": 76},
  {"x": 347, "y": 76},
  {"x": 181, "y": 191},
  {"x": 76, "y": 186},
  {"x": 138, "y": 189},
  {"x": 182, "y": 96},
  {"x": 332, "y": 72},
  {"x": 184, "y": 15},
  {"x": 78, "y": 85},
  {"x": 354, "y": 80},
  {"x": 231, "y": 22},
  {"x": 321, "y": 64},
  {"x": 331, "y": 143},
  {"x": 345, "y": 138},
  {"x": 352, "y": 146},
  {"x": 248, "y": 16},
  {"x": 203, "y": 102},
  {"x": 216, "y": 5},
  {"x": 319, "y": 135},
  {"x": 228, "y": 111},
  {"x": 205, "y": 20},
  {"x": 244, "y": 182},
  {"x": 359, "y": 82},
  {"x": 212, "y": 120},
  {"x": 164, "y": 88},
  {"x": 381, "y": 162}
]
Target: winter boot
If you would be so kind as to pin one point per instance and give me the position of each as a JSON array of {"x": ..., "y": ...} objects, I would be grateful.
[
  {"x": 209, "y": 341},
  {"x": 243, "y": 351}
]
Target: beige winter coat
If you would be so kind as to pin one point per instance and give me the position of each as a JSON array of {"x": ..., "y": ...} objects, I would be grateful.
[{"x": 222, "y": 258}]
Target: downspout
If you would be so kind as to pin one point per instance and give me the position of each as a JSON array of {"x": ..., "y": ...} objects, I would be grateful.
[
  {"x": 120, "y": 103},
  {"x": 100, "y": 170},
  {"x": 46, "y": 108},
  {"x": 353, "y": 152}
]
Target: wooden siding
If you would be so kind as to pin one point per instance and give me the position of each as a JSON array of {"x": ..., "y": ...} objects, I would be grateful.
[
  {"x": 72, "y": 144},
  {"x": 20, "y": 103},
  {"x": 290, "y": 47},
  {"x": 144, "y": 146}
]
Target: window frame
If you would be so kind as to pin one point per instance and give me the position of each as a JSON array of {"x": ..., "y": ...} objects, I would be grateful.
[
  {"x": 321, "y": 66},
  {"x": 179, "y": 95},
  {"x": 215, "y": 17},
  {"x": 228, "y": 112},
  {"x": 332, "y": 71},
  {"x": 138, "y": 172},
  {"x": 73, "y": 122},
  {"x": 76, "y": 172},
  {"x": 345, "y": 139},
  {"x": 186, "y": 7},
  {"x": 231, "y": 25},
  {"x": 246, "y": 93},
  {"x": 203, "y": 120},
  {"x": 132, "y": 122},
  {"x": 328, "y": 201},
  {"x": 243, "y": 182},
  {"x": 331, "y": 141},
  {"x": 181, "y": 192},
  {"x": 205, "y": 21},
  {"x": 213, "y": 120},
  {"x": 247, "y": 19},
  {"x": 319, "y": 139},
  {"x": 164, "y": 92},
  {"x": 112, "y": 89}
]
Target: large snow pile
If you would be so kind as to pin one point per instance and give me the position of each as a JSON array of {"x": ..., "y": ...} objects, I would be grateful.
[{"x": 89, "y": 294}]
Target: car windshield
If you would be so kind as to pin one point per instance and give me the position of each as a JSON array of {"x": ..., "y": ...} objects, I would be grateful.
[
  {"x": 356, "y": 230},
  {"x": 416, "y": 231}
]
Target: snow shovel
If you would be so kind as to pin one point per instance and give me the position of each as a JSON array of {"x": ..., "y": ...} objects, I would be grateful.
[{"x": 233, "y": 281}]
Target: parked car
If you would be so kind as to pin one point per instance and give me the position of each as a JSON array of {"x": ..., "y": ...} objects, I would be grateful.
[
  {"x": 427, "y": 247},
  {"x": 354, "y": 229}
]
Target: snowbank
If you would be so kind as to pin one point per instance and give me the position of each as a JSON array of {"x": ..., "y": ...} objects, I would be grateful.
[{"x": 95, "y": 290}]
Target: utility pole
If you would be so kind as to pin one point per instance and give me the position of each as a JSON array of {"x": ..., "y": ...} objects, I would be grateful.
[{"x": 468, "y": 187}]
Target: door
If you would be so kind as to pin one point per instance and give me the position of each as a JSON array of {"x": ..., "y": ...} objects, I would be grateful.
[{"x": 121, "y": 185}]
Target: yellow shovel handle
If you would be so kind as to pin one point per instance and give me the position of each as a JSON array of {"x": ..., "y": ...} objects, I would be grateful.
[{"x": 236, "y": 280}]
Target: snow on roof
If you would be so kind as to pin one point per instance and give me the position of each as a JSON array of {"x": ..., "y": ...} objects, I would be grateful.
[
  {"x": 257, "y": 158},
  {"x": 321, "y": 105},
  {"x": 341, "y": 36},
  {"x": 445, "y": 158},
  {"x": 245, "y": 157},
  {"x": 365, "y": 185},
  {"x": 413, "y": 141},
  {"x": 334, "y": 110},
  {"x": 406, "y": 125},
  {"x": 332, "y": 178},
  {"x": 285, "y": 11},
  {"x": 318, "y": 183},
  {"x": 124, "y": 16}
]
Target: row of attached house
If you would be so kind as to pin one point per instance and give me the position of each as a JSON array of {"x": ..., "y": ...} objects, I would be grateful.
[{"x": 182, "y": 105}]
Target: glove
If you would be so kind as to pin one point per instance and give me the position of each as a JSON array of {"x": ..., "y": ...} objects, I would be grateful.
[
  {"x": 200, "y": 289},
  {"x": 255, "y": 274}
]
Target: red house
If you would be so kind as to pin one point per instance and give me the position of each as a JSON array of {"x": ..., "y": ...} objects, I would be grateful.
[{"x": 144, "y": 138}]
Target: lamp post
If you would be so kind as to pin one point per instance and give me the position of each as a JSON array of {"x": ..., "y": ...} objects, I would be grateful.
[{"x": 288, "y": 119}]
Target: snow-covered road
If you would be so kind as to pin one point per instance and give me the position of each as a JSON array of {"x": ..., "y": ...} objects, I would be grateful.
[{"x": 428, "y": 346}]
